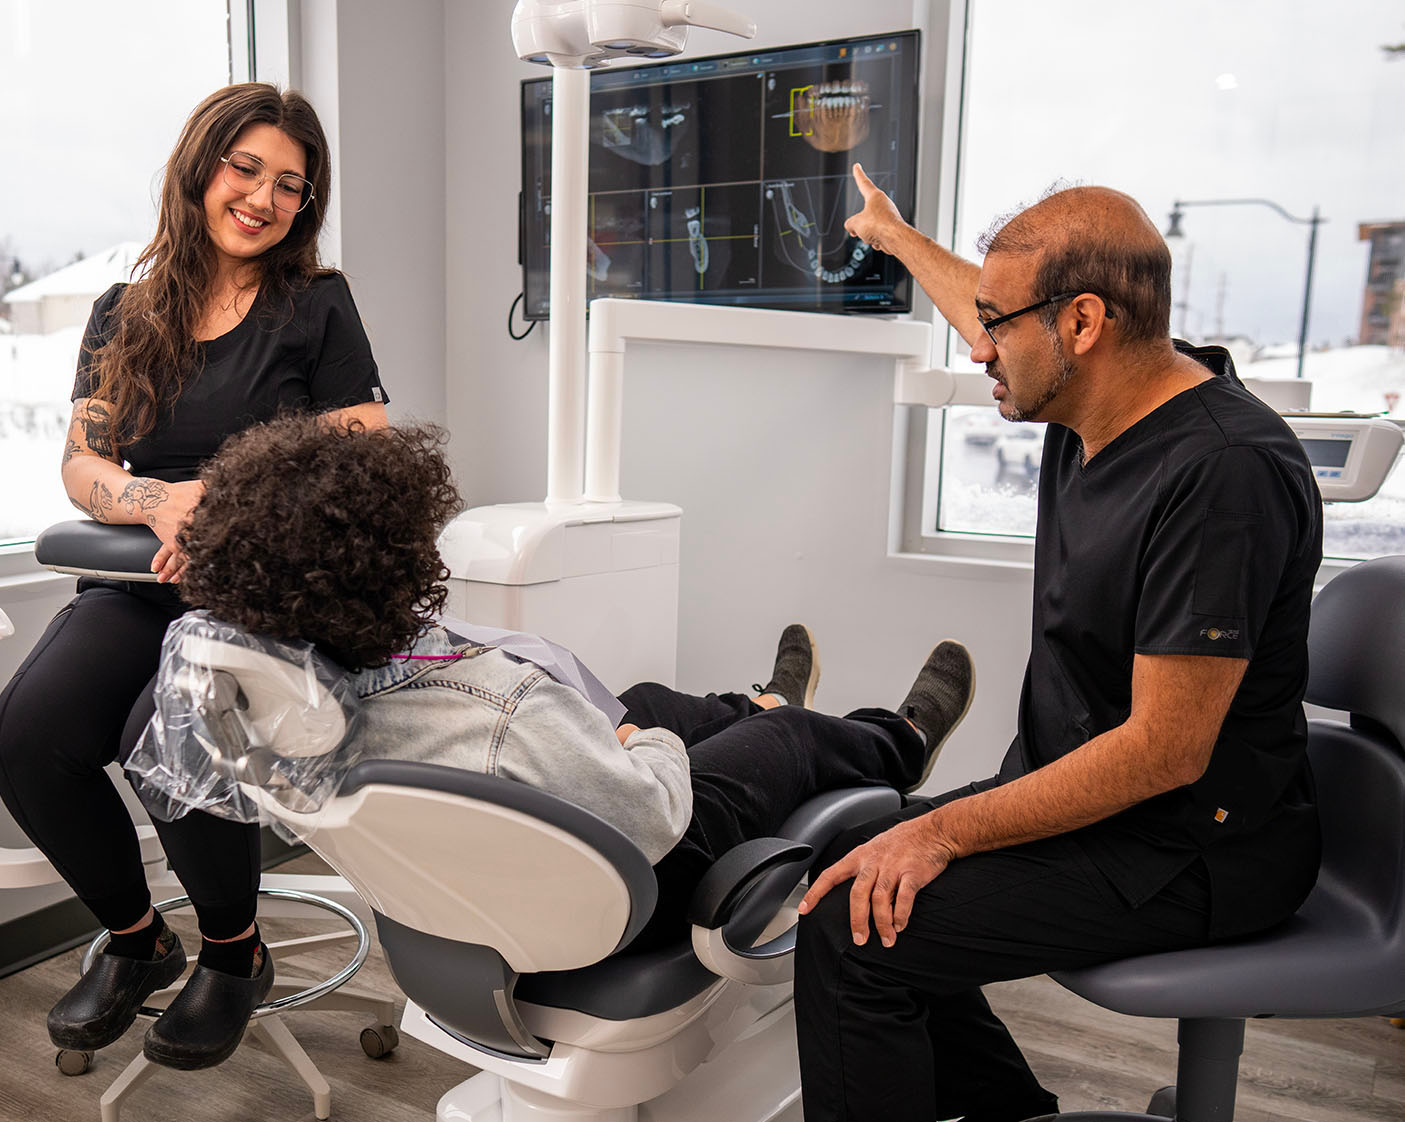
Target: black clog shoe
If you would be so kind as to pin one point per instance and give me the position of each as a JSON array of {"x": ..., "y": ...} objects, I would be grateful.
[
  {"x": 104, "y": 1003},
  {"x": 204, "y": 1024}
]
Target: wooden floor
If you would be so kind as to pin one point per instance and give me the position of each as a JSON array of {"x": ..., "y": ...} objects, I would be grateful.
[{"x": 1296, "y": 1071}]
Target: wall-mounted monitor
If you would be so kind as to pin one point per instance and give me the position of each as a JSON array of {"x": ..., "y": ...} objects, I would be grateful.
[{"x": 726, "y": 180}]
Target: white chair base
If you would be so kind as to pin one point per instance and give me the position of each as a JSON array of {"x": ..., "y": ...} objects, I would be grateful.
[{"x": 751, "y": 1077}]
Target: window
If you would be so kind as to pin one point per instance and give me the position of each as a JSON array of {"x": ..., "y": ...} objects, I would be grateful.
[
  {"x": 93, "y": 95},
  {"x": 1196, "y": 101}
]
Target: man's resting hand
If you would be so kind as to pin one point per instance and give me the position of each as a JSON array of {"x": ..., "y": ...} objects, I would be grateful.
[{"x": 888, "y": 871}]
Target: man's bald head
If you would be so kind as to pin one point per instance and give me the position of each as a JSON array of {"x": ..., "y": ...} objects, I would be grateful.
[{"x": 1094, "y": 239}]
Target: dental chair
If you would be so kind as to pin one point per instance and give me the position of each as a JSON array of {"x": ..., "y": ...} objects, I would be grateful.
[
  {"x": 500, "y": 909},
  {"x": 86, "y": 548},
  {"x": 1343, "y": 953}
]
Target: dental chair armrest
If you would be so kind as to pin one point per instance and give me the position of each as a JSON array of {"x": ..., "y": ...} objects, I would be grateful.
[
  {"x": 734, "y": 902},
  {"x": 97, "y": 549}
]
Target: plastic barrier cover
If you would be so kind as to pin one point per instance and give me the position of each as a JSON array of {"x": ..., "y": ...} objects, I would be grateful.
[{"x": 241, "y": 721}]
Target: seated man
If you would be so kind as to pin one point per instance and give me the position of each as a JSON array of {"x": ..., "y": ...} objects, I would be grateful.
[
  {"x": 348, "y": 561},
  {"x": 1157, "y": 794}
]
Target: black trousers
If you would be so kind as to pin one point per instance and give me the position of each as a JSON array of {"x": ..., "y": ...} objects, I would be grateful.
[
  {"x": 750, "y": 768},
  {"x": 79, "y": 701},
  {"x": 904, "y": 1033}
]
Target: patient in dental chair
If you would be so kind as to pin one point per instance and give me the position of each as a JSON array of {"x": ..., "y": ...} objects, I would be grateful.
[{"x": 328, "y": 535}]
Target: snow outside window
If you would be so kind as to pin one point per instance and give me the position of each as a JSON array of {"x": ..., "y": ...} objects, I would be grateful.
[
  {"x": 1200, "y": 100},
  {"x": 94, "y": 95}
]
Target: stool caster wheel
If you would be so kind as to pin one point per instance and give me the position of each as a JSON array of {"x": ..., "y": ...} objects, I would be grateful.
[
  {"x": 1163, "y": 1103},
  {"x": 72, "y": 1062},
  {"x": 378, "y": 1041}
]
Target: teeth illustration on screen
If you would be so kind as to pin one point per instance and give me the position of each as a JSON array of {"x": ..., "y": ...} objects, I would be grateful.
[
  {"x": 697, "y": 244},
  {"x": 809, "y": 238},
  {"x": 643, "y": 134},
  {"x": 833, "y": 116}
]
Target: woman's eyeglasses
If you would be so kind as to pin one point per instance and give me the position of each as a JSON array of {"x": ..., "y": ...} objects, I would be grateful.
[{"x": 246, "y": 173}]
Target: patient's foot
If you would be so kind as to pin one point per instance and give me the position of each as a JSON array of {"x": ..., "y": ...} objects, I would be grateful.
[
  {"x": 939, "y": 698},
  {"x": 796, "y": 673}
]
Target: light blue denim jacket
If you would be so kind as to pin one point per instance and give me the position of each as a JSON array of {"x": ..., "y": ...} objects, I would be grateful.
[{"x": 489, "y": 711}]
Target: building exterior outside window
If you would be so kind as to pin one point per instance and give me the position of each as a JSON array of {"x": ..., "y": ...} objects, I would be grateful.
[{"x": 1383, "y": 305}]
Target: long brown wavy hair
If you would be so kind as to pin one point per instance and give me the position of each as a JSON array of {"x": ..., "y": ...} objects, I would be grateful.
[{"x": 139, "y": 370}]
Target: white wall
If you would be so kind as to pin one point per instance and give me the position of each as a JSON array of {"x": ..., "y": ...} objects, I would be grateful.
[
  {"x": 389, "y": 117},
  {"x": 780, "y": 461}
]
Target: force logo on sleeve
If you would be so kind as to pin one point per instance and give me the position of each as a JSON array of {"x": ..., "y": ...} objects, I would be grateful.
[{"x": 1213, "y": 633}]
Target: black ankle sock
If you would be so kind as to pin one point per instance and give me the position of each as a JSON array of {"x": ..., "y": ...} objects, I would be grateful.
[
  {"x": 140, "y": 943},
  {"x": 237, "y": 957}
]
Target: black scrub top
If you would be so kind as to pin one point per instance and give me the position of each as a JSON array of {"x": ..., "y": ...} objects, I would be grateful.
[
  {"x": 1197, "y": 531},
  {"x": 307, "y": 350}
]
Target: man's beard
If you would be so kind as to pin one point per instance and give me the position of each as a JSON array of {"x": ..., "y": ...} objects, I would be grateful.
[{"x": 1063, "y": 374}]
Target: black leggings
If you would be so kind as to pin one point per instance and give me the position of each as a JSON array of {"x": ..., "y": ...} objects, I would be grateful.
[
  {"x": 750, "y": 768},
  {"x": 79, "y": 701}
]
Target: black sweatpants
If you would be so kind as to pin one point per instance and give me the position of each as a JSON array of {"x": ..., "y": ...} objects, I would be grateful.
[
  {"x": 750, "y": 768},
  {"x": 904, "y": 1034},
  {"x": 79, "y": 701}
]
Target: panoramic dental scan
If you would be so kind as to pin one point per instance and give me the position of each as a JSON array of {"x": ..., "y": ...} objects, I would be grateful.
[{"x": 726, "y": 180}]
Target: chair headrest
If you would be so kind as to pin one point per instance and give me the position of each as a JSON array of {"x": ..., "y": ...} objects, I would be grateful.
[
  {"x": 243, "y": 723},
  {"x": 1356, "y": 643},
  {"x": 287, "y": 708}
]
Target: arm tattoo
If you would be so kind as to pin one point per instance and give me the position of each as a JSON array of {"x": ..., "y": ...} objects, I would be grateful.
[
  {"x": 98, "y": 504},
  {"x": 98, "y": 431},
  {"x": 143, "y": 494},
  {"x": 71, "y": 449}
]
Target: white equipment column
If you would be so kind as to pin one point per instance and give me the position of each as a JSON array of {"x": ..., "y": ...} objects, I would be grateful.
[{"x": 570, "y": 167}]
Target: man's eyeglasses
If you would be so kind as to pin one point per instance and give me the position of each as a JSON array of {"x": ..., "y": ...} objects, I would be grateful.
[
  {"x": 246, "y": 173},
  {"x": 991, "y": 324}
]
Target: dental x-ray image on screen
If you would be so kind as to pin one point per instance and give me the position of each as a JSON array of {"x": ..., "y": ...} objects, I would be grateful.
[{"x": 726, "y": 180}]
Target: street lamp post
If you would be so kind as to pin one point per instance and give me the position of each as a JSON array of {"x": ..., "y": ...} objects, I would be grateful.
[{"x": 1174, "y": 231}]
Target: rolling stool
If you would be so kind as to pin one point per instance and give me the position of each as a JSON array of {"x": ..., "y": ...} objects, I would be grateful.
[
  {"x": 124, "y": 553},
  {"x": 1343, "y": 953}
]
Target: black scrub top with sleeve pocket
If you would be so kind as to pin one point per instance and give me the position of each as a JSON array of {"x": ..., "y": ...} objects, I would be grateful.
[{"x": 1197, "y": 531}]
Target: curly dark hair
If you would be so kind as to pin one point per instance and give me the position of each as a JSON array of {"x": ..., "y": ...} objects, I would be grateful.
[{"x": 313, "y": 531}]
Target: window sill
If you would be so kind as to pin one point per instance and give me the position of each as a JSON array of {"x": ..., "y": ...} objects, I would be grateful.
[
  {"x": 17, "y": 559},
  {"x": 970, "y": 556}
]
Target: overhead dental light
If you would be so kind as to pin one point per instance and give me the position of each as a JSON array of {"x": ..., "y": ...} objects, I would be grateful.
[
  {"x": 573, "y": 37},
  {"x": 589, "y": 33}
]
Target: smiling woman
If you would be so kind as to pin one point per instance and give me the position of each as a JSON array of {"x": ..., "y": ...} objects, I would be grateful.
[{"x": 230, "y": 322}]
